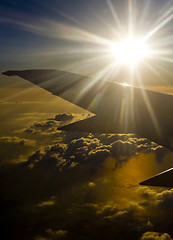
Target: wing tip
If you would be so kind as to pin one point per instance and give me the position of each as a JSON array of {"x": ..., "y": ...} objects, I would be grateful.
[{"x": 163, "y": 179}]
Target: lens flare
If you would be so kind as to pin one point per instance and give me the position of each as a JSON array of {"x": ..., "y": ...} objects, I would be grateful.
[
  {"x": 130, "y": 51},
  {"x": 125, "y": 84}
]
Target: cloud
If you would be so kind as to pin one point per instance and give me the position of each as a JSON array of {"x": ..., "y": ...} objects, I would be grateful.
[
  {"x": 147, "y": 193},
  {"x": 119, "y": 146},
  {"x": 53, "y": 235},
  {"x": 161, "y": 201},
  {"x": 160, "y": 152},
  {"x": 51, "y": 124},
  {"x": 42, "y": 126},
  {"x": 165, "y": 200},
  {"x": 15, "y": 148},
  {"x": 85, "y": 201},
  {"x": 158, "y": 205},
  {"x": 58, "y": 233},
  {"x": 117, "y": 212},
  {"x": 51, "y": 157},
  {"x": 49, "y": 202},
  {"x": 123, "y": 148},
  {"x": 99, "y": 153},
  {"x": 79, "y": 148},
  {"x": 64, "y": 117},
  {"x": 155, "y": 236},
  {"x": 83, "y": 183}
]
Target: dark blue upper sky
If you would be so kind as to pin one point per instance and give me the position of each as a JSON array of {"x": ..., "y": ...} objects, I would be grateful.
[{"x": 32, "y": 29}]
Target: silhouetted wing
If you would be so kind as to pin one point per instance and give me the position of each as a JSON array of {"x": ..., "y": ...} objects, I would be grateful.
[
  {"x": 118, "y": 109},
  {"x": 163, "y": 179}
]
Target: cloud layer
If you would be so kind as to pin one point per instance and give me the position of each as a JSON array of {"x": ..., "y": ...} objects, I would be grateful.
[{"x": 81, "y": 184}]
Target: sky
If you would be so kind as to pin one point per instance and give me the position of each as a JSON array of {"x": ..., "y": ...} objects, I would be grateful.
[
  {"x": 71, "y": 185},
  {"x": 74, "y": 35},
  {"x": 21, "y": 39}
]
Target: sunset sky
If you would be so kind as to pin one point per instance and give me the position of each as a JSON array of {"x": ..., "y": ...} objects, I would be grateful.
[
  {"x": 81, "y": 185},
  {"x": 77, "y": 36}
]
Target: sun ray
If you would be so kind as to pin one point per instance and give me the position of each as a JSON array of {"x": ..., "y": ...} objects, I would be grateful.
[
  {"x": 144, "y": 14},
  {"x": 99, "y": 77},
  {"x": 114, "y": 14},
  {"x": 164, "y": 41},
  {"x": 162, "y": 58},
  {"x": 130, "y": 18},
  {"x": 148, "y": 104},
  {"x": 159, "y": 26},
  {"x": 165, "y": 70},
  {"x": 89, "y": 62},
  {"x": 152, "y": 69},
  {"x": 168, "y": 11}
]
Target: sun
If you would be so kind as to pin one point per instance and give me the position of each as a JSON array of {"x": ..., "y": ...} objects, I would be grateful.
[{"x": 130, "y": 51}]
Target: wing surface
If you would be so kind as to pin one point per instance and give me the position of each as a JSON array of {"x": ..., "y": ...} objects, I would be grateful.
[{"x": 118, "y": 108}]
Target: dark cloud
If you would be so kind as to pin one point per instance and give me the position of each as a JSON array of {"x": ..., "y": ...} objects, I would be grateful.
[
  {"x": 75, "y": 201},
  {"x": 123, "y": 149},
  {"x": 162, "y": 200},
  {"x": 165, "y": 200},
  {"x": 120, "y": 146},
  {"x": 160, "y": 152},
  {"x": 53, "y": 235},
  {"x": 43, "y": 126},
  {"x": 51, "y": 124},
  {"x": 79, "y": 148},
  {"x": 78, "y": 185},
  {"x": 15, "y": 148},
  {"x": 64, "y": 117}
]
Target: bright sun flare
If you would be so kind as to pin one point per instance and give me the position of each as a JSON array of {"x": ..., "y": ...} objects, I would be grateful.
[{"x": 130, "y": 51}]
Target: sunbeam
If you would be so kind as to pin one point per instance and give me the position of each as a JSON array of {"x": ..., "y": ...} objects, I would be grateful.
[{"x": 159, "y": 26}]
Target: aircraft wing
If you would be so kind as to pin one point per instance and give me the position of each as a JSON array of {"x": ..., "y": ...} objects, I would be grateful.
[
  {"x": 117, "y": 108},
  {"x": 163, "y": 179}
]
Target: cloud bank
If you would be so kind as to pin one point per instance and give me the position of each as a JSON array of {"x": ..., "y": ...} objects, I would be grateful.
[{"x": 82, "y": 184}]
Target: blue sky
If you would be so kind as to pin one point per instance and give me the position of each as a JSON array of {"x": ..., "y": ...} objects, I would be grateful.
[{"x": 33, "y": 32}]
